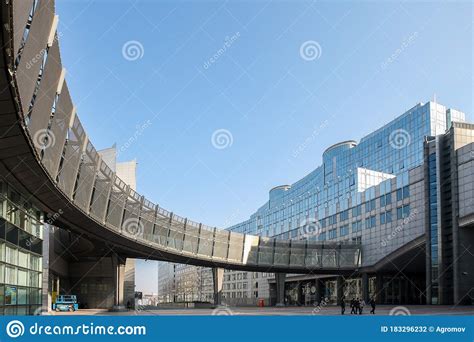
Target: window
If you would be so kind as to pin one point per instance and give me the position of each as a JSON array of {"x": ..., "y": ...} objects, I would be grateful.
[
  {"x": 406, "y": 192},
  {"x": 406, "y": 211},
  {"x": 356, "y": 211},
  {"x": 22, "y": 277},
  {"x": 344, "y": 230},
  {"x": 10, "y": 275},
  {"x": 385, "y": 200},
  {"x": 403, "y": 193},
  {"x": 399, "y": 194},
  {"x": 403, "y": 212},
  {"x": 370, "y": 205},
  {"x": 370, "y": 222},
  {"x": 10, "y": 255},
  {"x": 332, "y": 234},
  {"x": 356, "y": 226},
  {"x": 344, "y": 215}
]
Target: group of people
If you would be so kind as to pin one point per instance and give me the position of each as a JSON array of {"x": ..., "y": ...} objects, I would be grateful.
[{"x": 357, "y": 306}]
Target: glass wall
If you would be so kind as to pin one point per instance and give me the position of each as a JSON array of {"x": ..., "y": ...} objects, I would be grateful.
[
  {"x": 433, "y": 222},
  {"x": 21, "y": 241}
]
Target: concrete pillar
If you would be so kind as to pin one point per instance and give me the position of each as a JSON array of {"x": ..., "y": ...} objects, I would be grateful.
[
  {"x": 365, "y": 287},
  {"x": 339, "y": 288},
  {"x": 218, "y": 281},
  {"x": 118, "y": 265},
  {"x": 280, "y": 288},
  {"x": 319, "y": 290},
  {"x": 379, "y": 291}
]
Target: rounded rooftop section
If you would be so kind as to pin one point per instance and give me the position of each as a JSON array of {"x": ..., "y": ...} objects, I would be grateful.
[
  {"x": 278, "y": 191},
  {"x": 338, "y": 148}
]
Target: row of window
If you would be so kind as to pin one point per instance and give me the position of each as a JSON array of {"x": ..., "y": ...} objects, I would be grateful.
[
  {"x": 370, "y": 222},
  {"x": 384, "y": 200},
  {"x": 236, "y": 286},
  {"x": 13, "y": 295}
]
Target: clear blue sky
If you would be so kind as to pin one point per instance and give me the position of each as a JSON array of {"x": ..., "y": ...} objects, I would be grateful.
[{"x": 373, "y": 62}]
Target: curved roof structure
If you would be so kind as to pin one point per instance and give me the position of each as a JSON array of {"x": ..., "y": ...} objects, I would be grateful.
[{"x": 45, "y": 151}]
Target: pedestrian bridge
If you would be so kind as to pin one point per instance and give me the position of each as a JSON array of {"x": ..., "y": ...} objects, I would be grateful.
[{"x": 45, "y": 151}]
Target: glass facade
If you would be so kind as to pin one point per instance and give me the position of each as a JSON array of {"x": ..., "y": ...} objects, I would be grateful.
[
  {"x": 21, "y": 240},
  {"x": 433, "y": 224},
  {"x": 334, "y": 190}
]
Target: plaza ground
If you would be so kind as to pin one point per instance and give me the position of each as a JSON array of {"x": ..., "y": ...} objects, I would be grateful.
[{"x": 287, "y": 311}]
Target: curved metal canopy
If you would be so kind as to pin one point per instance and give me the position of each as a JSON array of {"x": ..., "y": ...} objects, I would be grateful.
[{"x": 45, "y": 150}]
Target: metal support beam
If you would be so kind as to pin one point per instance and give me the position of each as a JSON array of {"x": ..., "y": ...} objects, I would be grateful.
[{"x": 280, "y": 288}]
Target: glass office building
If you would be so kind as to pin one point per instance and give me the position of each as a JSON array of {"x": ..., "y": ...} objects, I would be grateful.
[
  {"x": 21, "y": 241},
  {"x": 393, "y": 149},
  {"x": 380, "y": 192}
]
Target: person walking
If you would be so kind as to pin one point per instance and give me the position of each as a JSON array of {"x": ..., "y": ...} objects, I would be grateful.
[
  {"x": 343, "y": 305},
  {"x": 353, "y": 306},
  {"x": 361, "y": 306},
  {"x": 372, "y": 304}
]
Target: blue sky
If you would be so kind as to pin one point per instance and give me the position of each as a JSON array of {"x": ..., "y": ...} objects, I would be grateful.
[{"x": 372, "y": 61}]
